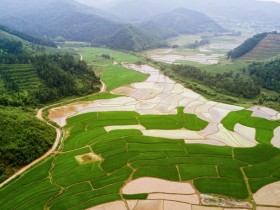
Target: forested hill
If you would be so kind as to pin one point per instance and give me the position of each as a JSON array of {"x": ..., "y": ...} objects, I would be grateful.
[
  {"x": 30, "y": 77},
  {"x": 16, "y": 43},
  {"x": 73, "y": 22},
  {"x": 34, "y": 80},
  {"x": 265, "y": 45},
  {"x": 181, "y": 21},
  {"x": 135, "y": 39},
  {"x": 34, "y": 40}
]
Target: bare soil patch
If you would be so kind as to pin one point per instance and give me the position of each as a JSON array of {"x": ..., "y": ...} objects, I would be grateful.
[{"x": 87, "y": 158}]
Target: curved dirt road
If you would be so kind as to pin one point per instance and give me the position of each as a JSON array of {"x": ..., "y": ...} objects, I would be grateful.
[{"x": 57, "y": 140}]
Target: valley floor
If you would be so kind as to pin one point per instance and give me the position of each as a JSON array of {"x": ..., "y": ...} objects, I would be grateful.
[{"x": 155, "y": 145}]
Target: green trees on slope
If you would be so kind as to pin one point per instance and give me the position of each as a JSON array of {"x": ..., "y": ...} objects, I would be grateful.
[
  {"x": 267, "y": 74},
  {"x": 10, "y": 47},
  {"x": 63, "y": 76},
  {"x": 226, "y": 82},
  {"x": 51, "y": 76},
  {"x": 23, "y": 138}
]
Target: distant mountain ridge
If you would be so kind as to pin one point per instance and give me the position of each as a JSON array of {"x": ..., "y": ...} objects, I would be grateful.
[
  {"x": 72, "y": 21},
  {"x": 181, "y": 21},
  {"x": 236, "y": 10}
]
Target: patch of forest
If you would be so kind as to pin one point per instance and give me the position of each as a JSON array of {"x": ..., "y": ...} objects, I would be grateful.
[
  {"x": 10, "y": 46},
  {"x": 23, "y": 138},
  {"x": 57, "y": 76},
  {"x": 227, "y": 83},
  {"x": 198, "y": 44},
  {"x": 266, "y": 74}
]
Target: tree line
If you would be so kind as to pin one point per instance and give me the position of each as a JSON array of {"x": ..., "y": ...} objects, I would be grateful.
[
  {"x": 198, "y": 44},
  {"x": 266, "y": 74},
  {"x": 229, "y": 83}
]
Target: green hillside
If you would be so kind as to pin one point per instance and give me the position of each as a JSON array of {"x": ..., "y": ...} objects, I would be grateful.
[
  {"x": 23, "y": 76},
  {"x": 28, "y": 38},
  {"x": 268, "y": 48},
  {"x": 262, "y": 46},
  {"x": 44, "y": 78},
  {"x": 131, "y": 38}
]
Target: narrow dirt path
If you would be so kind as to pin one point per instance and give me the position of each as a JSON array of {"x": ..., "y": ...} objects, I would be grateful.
[
  {"x": 59, "y": 136},
  {"x": 81, "y": 57}
]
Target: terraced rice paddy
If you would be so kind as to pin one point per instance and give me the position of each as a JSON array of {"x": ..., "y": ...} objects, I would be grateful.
[{"x": 157, "y": 146}]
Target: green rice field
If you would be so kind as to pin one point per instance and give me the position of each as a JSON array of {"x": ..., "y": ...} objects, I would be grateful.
[{"x": 61, "y": 182}]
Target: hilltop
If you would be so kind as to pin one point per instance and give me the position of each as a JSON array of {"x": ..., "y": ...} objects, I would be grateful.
[
  {"x": 73, "y": 22},
  {"x": 223, "y": 10},
  {"x": 262, "y": 46},
  {"x": 181, "y": 21}
]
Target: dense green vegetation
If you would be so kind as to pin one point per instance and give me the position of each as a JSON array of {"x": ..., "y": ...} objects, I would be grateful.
[
  {"x": 126, "y": 154},
  {"x": 64, "y": 76},
  {"x": 10, "y": 47},
  {"x": 266, "y": 74},
  {"x": 23, "y": 138},
  {"x": 247, "y": 46},
  {"x": 229, "y": 83},
  {"x": 45, "y": 79}
]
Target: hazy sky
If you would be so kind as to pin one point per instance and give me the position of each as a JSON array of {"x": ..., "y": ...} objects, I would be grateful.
[
  {"x": 263, "y": 0},
  {"x": 105, "y": 3},
  {"x": 110, "y": 1}
]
